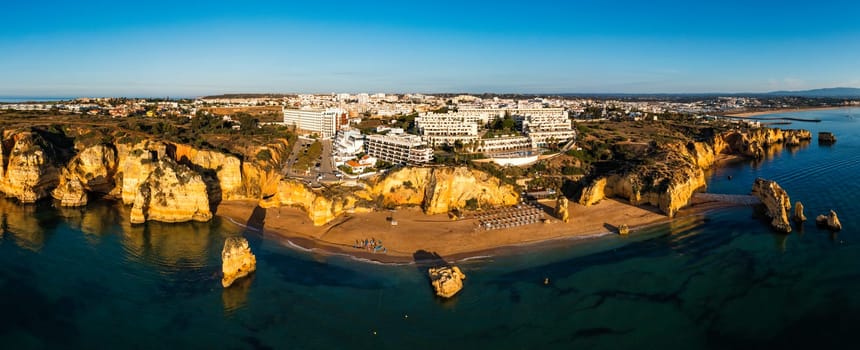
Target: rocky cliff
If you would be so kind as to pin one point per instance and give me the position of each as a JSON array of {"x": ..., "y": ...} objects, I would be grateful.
[
  {"x": 91, "y": 170},
  {"x": 321, "y": 206},
  {"x": 171, "y": 193},
  {"x": 674, "y": 171},
  {"x": 29, "y": 170},
  {"x": 439, "y": 190},
  {"x": 667, "y": 183},
  {"x": 436, "y": 190},
  {"x": 776, "y": 202},
  {"x": 237, "y": 261},
  {"x": 447, "y": 281}
]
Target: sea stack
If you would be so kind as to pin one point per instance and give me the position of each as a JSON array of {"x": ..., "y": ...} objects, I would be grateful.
[
  {"x": 798, "y": 216},
  {"x": 830, "y": 220},
  {"x": 776, "y": 201},
  {"x": 237, "y": 261},
  {"x": 447, "y": 280},
  {"x": 561, "y": 209}
]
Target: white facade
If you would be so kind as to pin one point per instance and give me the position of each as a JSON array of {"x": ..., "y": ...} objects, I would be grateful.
[
  {"x": 399, "y": 149},
  {"x": 504, "y": 144},
  {"x": 544, "y": 138},
  {"x": 321, "y": 122},
  {"x": 448, "y": 128},
  {"x": 546, "y": 128},
  {"x": 347, "y": 144}
]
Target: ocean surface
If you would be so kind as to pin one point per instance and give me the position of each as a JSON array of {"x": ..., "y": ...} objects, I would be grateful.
[{"x": 72, "y": 278}]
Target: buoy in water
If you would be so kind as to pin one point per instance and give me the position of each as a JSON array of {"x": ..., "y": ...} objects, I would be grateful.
[{"x": 546, "y": 281}]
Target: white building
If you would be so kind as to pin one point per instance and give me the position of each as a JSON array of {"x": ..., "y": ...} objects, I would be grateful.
[
  {"x": 323, "y": 123},
  {"x": 447, "y": 128},
  {"x": 347, "y": 144},
  {"x": 399, "y": 149},
  {"x": 545, "y": 128},
  {"x": 504, "y": 144}
]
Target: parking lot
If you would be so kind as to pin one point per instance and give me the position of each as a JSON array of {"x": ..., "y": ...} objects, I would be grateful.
[{"x": 306, "y": 165}]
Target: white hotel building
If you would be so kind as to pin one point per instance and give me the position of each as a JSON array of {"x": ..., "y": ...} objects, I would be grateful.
[
  {"x": 446, "y": 129},
  {"x": 399, "y": 149},
  {"x": 543, "y": 128},
  {"x": 323, "y": 123}
]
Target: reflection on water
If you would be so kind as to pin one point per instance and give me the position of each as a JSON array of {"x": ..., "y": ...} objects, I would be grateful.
[
  {"x": 20, "y": 222},
  {"x": 236, "y": 296},
  {"x": 167, "y": 245},
  {"x": 95, "y": 220}
]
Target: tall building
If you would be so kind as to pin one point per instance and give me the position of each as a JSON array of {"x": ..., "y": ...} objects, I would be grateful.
[
  {"x": 323, "y": 123},
  {"x": 399, "y": 149}
]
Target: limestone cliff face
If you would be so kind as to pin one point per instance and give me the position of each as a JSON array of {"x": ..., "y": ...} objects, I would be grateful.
[
  {"x": 171, "y": 193},
  {"x": 677, "y": 169},
  {"x": 451, "y": 188},
  {"x": 753, "y": 143},
  {"x": 227, "y": 169},
  {"x": 91, "y": 170},
  {"x": 29, "y": 173},
  {"x": 439, "y": 190},
  {"x": 436, "y": 190},
  {"x": 135, "y": 163},
  {"x": 237, "y": 260},
  {"x": 776, "y": 201},
  {"x": 321, "y": 208},
  {"x": 667, "y": 184},
  {"x": 407, "y": 186}
]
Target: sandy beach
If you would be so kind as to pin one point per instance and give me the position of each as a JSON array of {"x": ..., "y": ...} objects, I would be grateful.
[
  {"x": 781, "y": 110},
  {"x": 451, "y": 239}
]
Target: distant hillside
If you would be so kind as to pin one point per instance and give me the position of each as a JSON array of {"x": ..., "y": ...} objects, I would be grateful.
[{"x": 829, "y": 92}]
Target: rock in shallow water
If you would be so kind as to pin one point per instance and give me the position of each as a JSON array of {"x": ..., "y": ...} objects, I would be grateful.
[
  {"x": 830, "y": 220},
  {"x": 798, "y": 216},
  {"x": 237, "y": 261},
  {"x": 447, "y": 280}
]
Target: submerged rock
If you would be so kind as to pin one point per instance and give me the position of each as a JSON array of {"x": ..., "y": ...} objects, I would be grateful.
[
  {"x": 829, "y": 220},
  {"x": 776, "y": 201},
  {"x": 826, "y": 137},
  {"x": 237, "y": 261},
  {"x": 447, "y": 281},
  {"x": 798, "y": 216}
]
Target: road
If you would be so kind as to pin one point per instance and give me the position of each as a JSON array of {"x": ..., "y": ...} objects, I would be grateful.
[{"x": 326, "y": 164}]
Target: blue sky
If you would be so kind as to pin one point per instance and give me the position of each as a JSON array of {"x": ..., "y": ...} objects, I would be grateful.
[{"x": 161, "y": 48}]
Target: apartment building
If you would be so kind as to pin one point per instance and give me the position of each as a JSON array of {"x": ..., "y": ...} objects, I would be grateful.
[
  {"x": 447, "y": 128},
  {"x": 399, "y": 149},
  {"x": 323, "y": 123}
]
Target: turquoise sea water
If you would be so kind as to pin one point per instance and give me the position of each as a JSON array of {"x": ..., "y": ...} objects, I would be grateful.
[{"x": 73, "y": 278}]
